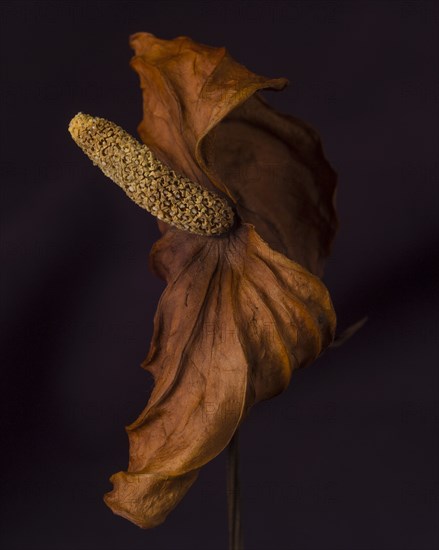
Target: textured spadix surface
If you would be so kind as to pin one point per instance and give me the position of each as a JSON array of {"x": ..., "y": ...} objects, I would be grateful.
[
  {"x": 243, "y": 309},
  {"x": 147, "y": 181}
]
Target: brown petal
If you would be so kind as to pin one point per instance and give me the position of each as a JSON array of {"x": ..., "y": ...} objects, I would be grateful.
[
  {"x": 203, "y": 118},
  {"x": 234, "y": 321},
  {"x": 187, "y": 88}
]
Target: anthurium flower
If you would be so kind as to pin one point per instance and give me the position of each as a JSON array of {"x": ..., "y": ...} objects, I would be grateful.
[{"x": 244, "y": 197}]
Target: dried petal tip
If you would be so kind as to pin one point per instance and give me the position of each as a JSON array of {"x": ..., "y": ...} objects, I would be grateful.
[{"x": 151, "y": 184}]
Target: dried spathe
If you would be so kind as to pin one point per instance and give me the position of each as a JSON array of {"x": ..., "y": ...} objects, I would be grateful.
[{"x": 234, "y": 321}]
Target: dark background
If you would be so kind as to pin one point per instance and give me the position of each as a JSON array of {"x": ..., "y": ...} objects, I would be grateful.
[{"x": 347, "y": 457}]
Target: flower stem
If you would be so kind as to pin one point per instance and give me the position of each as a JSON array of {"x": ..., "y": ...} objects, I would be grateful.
[{"x": 233, "y": 495}]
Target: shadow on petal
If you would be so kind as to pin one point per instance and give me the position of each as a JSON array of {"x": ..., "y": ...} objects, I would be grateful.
[{"x": 202, "y": 115}]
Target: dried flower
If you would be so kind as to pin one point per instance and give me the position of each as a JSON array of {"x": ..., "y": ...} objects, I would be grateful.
[{"x": 244, "y": 307}]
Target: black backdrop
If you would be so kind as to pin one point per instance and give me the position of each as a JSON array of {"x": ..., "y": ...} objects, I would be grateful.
[{"x": 347, "y": 457}]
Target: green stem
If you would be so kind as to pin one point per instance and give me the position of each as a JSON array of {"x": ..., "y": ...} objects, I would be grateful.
[{"x": 233, "y": 496}]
